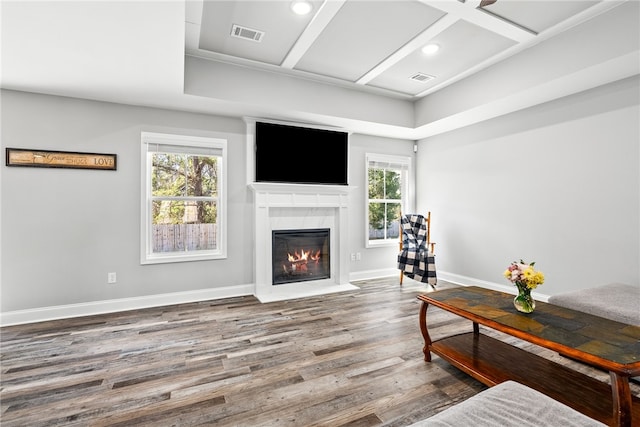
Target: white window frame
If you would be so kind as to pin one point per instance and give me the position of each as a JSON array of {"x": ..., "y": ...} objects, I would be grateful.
[
  {"x": 149, "y": 139},
  {"x": 399, "y": 162}
]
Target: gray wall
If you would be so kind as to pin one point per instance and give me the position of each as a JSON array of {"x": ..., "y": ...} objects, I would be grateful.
[
  {"x": 375, "y": 261},
  {"x": 64, "y": 230},
  {"x": 557, "y": 184}
]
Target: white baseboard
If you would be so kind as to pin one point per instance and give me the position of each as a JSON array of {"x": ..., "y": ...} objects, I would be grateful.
[
  {"x": 110, "y": 306},
  {"x": 448, "y": 277},
  {"x": 374, "y": 274},
  {"x": 470, "y": 281}
]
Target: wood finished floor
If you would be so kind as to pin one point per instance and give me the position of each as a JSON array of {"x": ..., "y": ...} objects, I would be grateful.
[{"x": 346, "y": 359}]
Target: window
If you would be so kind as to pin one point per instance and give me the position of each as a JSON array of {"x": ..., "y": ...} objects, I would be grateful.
[
  {"x": 387, "y": 178},
  {"x": 183, "y": 198}
]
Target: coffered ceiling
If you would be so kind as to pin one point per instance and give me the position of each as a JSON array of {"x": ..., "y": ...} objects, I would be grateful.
[
  {"x": 352, "y": 64},
  {"x": 376, "y": 45}
]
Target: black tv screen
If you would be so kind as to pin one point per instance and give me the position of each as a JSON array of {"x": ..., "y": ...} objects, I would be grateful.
[{"x": 299, "y": 155}]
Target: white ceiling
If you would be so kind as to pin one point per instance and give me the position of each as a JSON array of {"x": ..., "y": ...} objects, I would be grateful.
[
  {"x": 136, "y": 52},
  {"x": 377, "y": 44}
]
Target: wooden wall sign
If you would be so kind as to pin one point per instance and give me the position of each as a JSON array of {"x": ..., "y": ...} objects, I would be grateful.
[{"x": 60, "y": 159}]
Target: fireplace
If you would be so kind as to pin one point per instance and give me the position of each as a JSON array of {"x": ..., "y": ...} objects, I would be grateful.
[
  {"x": 300, "y": 255},
  {"x": 292, "y": 207}
]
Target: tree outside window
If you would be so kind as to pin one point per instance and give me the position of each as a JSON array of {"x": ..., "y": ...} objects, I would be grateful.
[{"x": 184, "y": 202}]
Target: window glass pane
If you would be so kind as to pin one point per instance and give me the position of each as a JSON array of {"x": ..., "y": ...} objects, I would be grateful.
[
  {"x": 376, "y": 183},
  {"x": 167, "y": 212},
  {"x": 393, "y": 220},
  {"x": 178, "y": 175},
  {"x": 393, "y": 184},
  {"x": 202, "y": 176},
  {"x": 183, "y": 226},
  {"x": 168, "y": 174},
  {"x": 376, "y": 221}
]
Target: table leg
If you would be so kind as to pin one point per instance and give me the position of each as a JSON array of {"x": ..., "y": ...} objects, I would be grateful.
[
  {"x": 425, "y": 332},
  {"x": 621, "y": 400}
]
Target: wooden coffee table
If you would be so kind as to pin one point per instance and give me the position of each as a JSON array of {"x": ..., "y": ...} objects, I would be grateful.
[{"x": 599, "y": 342}]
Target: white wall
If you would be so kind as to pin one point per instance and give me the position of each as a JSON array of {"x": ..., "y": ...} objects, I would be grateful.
[
  {"x": 558, "y": 184},
  {"x": 64, "y": 230}
]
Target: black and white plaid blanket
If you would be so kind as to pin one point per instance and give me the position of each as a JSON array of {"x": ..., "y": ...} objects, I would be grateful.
[{"x": 415, "y": 261}]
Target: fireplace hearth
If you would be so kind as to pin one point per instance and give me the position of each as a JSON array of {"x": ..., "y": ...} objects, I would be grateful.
[{"x": 300, "y": 255}]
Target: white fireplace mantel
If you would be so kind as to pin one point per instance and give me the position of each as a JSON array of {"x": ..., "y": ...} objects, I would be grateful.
[{"x": 297, "y": 206}]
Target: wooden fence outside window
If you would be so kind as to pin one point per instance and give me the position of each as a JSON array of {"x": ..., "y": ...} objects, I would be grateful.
[{"x": 184, "y": 237}]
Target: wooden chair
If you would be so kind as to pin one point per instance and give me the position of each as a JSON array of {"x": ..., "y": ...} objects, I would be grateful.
[{"x": 416, "y": 258}]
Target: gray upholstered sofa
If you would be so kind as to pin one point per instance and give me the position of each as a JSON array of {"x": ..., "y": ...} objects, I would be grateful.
[
  {"x": 509, "y": 404},
  {"x": 614, "y": 301}
]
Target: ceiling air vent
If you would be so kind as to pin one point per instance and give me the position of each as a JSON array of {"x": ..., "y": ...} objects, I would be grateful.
[
  {"x": 421, "y": 77},
  {"x": 246, "y": 33}
]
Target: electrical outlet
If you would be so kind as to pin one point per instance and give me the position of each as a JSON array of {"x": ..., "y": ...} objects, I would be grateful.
[
  {"x": 111, "y": 277},
  {"x": 353, "y": 257}
]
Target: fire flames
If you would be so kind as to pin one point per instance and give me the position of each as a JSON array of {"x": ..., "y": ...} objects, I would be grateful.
[{"x": 299, "y": 261}]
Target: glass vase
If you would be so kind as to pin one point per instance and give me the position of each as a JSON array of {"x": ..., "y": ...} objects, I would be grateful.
[{"x": 524, "y": 302}]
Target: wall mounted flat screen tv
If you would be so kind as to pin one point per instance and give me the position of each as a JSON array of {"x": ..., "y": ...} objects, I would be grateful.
[{"x": 299, "y": 155}]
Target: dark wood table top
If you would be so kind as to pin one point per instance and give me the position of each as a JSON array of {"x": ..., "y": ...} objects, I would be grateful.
[{"x": 601, "y": 342}]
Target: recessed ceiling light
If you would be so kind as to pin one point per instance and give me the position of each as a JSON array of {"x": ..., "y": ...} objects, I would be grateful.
[
  {"x": 301, "y": 7},
  {"x": 430, "y": 49}
]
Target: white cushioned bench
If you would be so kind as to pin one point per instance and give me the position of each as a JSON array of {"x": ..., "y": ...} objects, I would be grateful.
[
  {"x": 509, "y": 404},
  {"x": 615, "y": 301}
]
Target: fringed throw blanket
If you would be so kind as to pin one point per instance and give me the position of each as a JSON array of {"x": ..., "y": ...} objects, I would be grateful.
[{"x": 415, "y": 261}]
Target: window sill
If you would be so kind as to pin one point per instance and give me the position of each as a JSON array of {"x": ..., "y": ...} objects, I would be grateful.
[
  {"x": 382, "y": 243},
  {"x": 165, "y": 259}
]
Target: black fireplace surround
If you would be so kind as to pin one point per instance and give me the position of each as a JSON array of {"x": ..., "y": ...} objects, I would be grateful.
[{"x": 300, "y": 255}]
